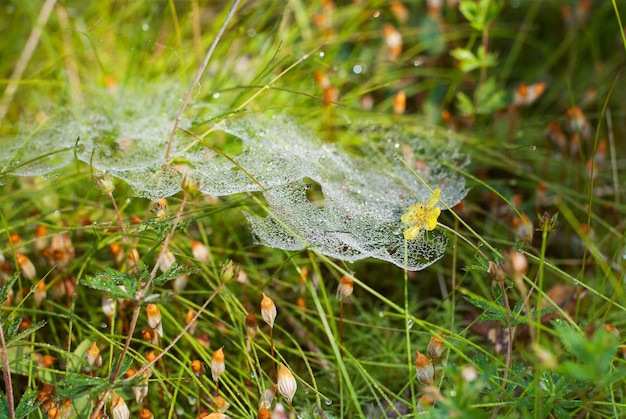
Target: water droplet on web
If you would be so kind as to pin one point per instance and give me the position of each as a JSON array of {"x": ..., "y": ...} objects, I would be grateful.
[
  {"x": 533, "y": 147},
  {"x": 381, "y": 314},
  {"x": 216, "y": 95},
  {"x": 322, "y": 54},
  {"x": 409, "y": 323},
  {"x": 328, "y": 402},
  {"x": 103, "y": 325},
  {"x": 452, "y": 393},
  {"x": 253, "y": 375}
]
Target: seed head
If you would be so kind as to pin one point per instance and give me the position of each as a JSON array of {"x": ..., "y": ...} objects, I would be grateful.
[
  {"x": 41, "y": 231},
  {"x": 94, "y": 359},
  {"x": 217, "y": 364},
  {"x": 160, "y": 209},
  {"x": 154, "y": 318},
  {"x": 435, "y": 347},
  {"x": 197, "y": 367},
  {"x": 149, "y": 335},
  {"x": 200, "y": 251},
  {"x": 166, "y": 261},
  {"x": 119, "y": 408},
  {"x": 214, "y": 415},
  {"x": 104, "y": 182},
  {"x": 345, "y": 288},
  {"x": 424, "y": 368},
  {"x": 268, "y": 310},
  {"x": 27, "y": 267},
  {"x": 108, "y": 306},
  {"x": 220, "y": 404},
  {"x": 264, "y": 413},
  {"x": 146, "y": 414},
  {"x": 287, "y": 385},
  {"x": 40, "y": 293}
]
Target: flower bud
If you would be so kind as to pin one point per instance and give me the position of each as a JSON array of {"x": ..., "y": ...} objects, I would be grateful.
[
  {"x": 287, "y": 385},
  {"x": 94, "y": 359},
  {"x": 154, "y": 318},
  {"x": 119, "y": 409},
  {"x": 104, "y": 182},
  {"x": 435, "y": 347},
  {"x": 424, "y": 368},
  {"x": 146, "y": 414},
  {"x": 217, "y": 364},
  {"x": 200, "y": 251},
  {"x": 345, "y": 288},
  {"x": 40, "y": 293},
  {"x": 197, "y": 367},
  {"x": 27, "y": 267},
  {"x": 268, "y": 310}
]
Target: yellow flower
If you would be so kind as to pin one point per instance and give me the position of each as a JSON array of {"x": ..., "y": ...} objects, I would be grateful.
[{"x": 421, "y": 216}]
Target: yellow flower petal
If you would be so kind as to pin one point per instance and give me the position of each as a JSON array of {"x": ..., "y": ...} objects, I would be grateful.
[
  {"x": 431, "y": 220},
  {"x": 421, "y": 216}
]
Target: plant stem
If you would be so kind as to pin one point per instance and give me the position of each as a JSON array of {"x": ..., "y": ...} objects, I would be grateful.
[
  {"x": 6, "y": 373},
  {"x": 196, "y": 81}
]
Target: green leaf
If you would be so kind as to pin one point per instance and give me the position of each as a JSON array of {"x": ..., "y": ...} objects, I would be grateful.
[
  {"x": 175, "y": 271},
  {"x": 28, "y": 404},
  {"x": 464, "y": 104},
  {"x": 115, "y": 283},
  {"x": 466, "y": 58},
  {"x": 490, "y": 98},
  {"x": 480, "y": 14},
  {"x": 25, "y": 333},
  {"x": 8, "y": 284}
]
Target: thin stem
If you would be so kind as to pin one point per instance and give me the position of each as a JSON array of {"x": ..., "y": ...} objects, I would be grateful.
[
  {"x": 27, "y": 53},
  {"x": 6, "y": 373},
  {"x": 196, "y": 81}
]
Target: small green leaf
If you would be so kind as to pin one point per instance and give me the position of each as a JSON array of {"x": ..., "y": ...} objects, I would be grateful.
[
  {"x": 8, "y": 284},
  {"x": 466, "y": 58},
  {"x": 25, "y": 333},
  {"x": 115, "y": 283},
  {"x": 174, "y": 271},
  {"x": 464, "y": 104},
  {"x": 28, "y": 404}
]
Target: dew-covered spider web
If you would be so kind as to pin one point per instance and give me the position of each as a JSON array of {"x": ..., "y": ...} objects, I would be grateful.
[{"x": 345, "y": 203}]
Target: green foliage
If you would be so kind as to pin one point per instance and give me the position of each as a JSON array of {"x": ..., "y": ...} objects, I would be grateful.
[
  {"x": 117, "y": 284},
  {"x": 480, "y": 13}
]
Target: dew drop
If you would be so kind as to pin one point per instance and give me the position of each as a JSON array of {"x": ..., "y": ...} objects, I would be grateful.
[
  {"x": 357, "y": 69},
  {"x": 533, "y": 147},
  {"x": 381, "y": 314},
  {"x": 216, "y": 95},
  {"x": 103, "y": 325},
  {"x": 251, "y": 33},
  {"x": 306, "y": 390},
  {"x": 192, "y": 400},
  {"x": 322, "y": 54},
  {"x": 328, "y": 402},
  {"x": 452, "y": 393},
  {"x": 409, "y": 323},
  {"x": 253, "y": 375},
  {"x": 145, "y": 27}
]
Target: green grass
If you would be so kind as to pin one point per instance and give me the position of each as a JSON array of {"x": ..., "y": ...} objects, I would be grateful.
[{"x": 100, "y": 70}]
